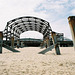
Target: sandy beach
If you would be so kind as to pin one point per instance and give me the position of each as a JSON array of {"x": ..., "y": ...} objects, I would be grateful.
[{"x": 29, "y": 62}]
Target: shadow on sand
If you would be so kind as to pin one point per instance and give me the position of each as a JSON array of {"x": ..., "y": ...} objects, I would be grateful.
[{"x": 46, "y": 50}]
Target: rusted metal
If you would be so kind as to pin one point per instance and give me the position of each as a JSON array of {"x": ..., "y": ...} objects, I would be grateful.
[
  {"x": 12, "y": 42},
  {"x": 47, "y": 42},
  {"x": 1, "y": 41},
  {"x": 55, "y": 43},
  {"x": 71, "y": 20}
]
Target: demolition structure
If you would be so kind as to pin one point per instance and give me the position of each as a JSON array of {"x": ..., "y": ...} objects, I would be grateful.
[{"x": 10, "y": 37}]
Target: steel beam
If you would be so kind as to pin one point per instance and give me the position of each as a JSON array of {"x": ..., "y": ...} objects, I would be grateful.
[
  {"x": 55, "y": 43},
  {"x": 22, "y": 45},
  {"x": 1, "y": 41},
  {"x": 71, "y": 20},
  {"x": 48, "y": 42},
  {"x": 26, "y": 23},
  {"x": 18, "y": 43},
  {"x": 12, "y": 42}
]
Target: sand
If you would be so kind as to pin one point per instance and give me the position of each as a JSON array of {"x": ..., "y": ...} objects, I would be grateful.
[{"x": 29, "y": 62}]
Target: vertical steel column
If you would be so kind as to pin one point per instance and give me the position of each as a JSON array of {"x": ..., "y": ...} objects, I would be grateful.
[
  {"x": 71, "y": 20},
  {"x": 12, "y": 42},
  {"x": 55, "y": 43},
  {"x": 1, "y": 41},
  {"x": 22, "y": 44},
  {"x": 48, "y": 42},
  {"x": 18, "y": 43}
]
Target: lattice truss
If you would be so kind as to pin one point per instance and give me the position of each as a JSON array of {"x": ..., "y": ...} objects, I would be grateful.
[{"x": 19, "y": 25}]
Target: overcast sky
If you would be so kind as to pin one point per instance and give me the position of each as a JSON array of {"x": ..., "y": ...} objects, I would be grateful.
[{"x": 55, "y": 12}]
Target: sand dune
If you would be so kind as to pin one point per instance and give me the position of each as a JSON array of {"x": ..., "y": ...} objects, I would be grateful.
[{"x": 29, "y": 62}]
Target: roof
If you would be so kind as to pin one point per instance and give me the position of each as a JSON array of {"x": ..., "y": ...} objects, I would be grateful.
[{"x": 27, "y": 23}]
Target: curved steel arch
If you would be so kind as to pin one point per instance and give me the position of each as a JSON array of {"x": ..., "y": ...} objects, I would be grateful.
[{"x": 19, "y": 25}]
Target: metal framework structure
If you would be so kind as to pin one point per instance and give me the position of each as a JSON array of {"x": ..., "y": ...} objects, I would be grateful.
[
  {"x": 19, "y": 25},
  {"x": 71, "y": 20}
]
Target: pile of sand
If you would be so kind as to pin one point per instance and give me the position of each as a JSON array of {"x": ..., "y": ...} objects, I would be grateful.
[{"x": 29, "y": 62}]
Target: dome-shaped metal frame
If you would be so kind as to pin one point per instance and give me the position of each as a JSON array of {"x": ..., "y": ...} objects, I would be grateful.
[{"x": 19, "y": 25}]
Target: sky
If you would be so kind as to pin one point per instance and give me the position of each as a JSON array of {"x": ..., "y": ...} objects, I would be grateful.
[{"x": 56, "y": 12}]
